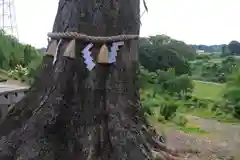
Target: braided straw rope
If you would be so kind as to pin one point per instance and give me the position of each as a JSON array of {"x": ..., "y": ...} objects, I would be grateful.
[{"x": 80, "y": 36}]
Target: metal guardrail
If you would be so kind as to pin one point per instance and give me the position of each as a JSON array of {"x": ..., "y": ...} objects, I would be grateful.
[{"x": 9, "y": 95}]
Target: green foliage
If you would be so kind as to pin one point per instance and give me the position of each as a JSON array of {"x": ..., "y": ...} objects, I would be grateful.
[
  {"x": 193, "y": 130},
  {"x": 162, "y": 52},
  {"x": 161, "y": 118},
  {"x": 208, "y": 90},
  {"x": 165, "y": 81},
  {"x": 232, "y": 93},
  {"x": 18, "y": 72},
  {"x": 164, "y": 104},
  {"x": 20, "y": 60},
  {"x": 181, "y": 84},
  {"x": 168, "y": 109},
  {"x": 203, "y": 57},
  {"x": 33, "y": 67},
  {"x": 234, "y": 47},
  {"x": 180, "y": 120},
  {"x": 225, "y": 51},
  {"x": 157, "y": 89},
  {"x": 3, "y": 75},
  {"x": 214, "y": 70},
  {"x": 171, "y": 91},
  {"x": 208, "y": 48}
]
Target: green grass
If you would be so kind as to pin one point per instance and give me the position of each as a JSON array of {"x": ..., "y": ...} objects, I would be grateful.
[
  {"x": 217, "y": 60},
  {"x": 204, "y": 113},
  {"x": 188, "y": 128},
  {"x": 208, "y": 90},
  {"x": 3, "y": 75},
  {"x": 204, "y": 53},
  {"x": 193, "y": 130}
]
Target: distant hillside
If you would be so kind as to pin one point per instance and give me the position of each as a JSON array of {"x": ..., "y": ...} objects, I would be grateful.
[
  {"x": 42, "y": 49},
  {"x": 13, "y": 53},
  {"x": 208, "y": 48},
  {"x": 20, "y": 61},
  {"x": 233, "y": 48}
]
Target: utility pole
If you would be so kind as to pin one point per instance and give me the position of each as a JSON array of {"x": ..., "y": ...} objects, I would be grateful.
[{"x": 8, "y": 20}]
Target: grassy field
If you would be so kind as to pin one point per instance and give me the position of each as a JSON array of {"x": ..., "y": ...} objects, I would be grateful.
[
  {"x": 3, "y": 75},
  {"x": 208, "y": 90},
  {"x": 217, "y": 60}
]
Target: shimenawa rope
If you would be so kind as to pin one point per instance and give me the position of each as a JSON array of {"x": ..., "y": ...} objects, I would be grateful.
[{"x": 80, "y": 36}]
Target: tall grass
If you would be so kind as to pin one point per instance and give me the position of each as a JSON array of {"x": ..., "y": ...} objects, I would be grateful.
[{"x": 208, "y": 90}]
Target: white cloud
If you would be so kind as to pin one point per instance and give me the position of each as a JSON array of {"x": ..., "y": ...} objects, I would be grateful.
[{"x": 193, "y": 21}]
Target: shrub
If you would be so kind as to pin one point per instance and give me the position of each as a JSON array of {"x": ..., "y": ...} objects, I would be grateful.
[
  {"x": 180, "y": 85},
  {"x": 180, "y": 120},
  {"x": 203, "y": 57},
  {"x": 232, "y": 94},
  {"x": 151, "y": 103},
  {"x": 147, "y": 110},
  {"x": 237, "y": 110},
  {"x": 33, "y": 67},
  {"x": 161, "y": 118},
  {"x": 168, "y": 109},
  {"x": 19, "y": 72}
]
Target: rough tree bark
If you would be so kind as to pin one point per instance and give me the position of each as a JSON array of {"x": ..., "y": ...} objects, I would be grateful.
[{"x": 71, "y": 113}]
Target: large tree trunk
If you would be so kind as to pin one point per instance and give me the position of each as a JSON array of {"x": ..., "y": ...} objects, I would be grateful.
[{"x": 81, "y": 114}]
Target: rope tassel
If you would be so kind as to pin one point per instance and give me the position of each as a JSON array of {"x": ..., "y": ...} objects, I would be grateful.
[
  {"x": 57, "y": 51},
  {"x": 80, "y": 36}
]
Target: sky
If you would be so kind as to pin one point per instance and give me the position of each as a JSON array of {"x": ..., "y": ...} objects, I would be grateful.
[{"x": 192, "y": 21}]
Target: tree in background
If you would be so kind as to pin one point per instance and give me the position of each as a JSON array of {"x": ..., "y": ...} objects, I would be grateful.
[
  {"x": 16, "y": 57},
  {"x": 232, "y": 92},
  {"x": 234, "y": 47},
  {"x": 162, "y": 52},
  {"x": 12, "y": 53},
  {"x": 225, "y": 51},
  {"x": 208, "y": 48}
]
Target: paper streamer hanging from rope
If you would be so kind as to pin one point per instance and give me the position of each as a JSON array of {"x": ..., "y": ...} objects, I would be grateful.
[
  {"x": 88, "y": 60},
  {"x": 113, "y": 51}
]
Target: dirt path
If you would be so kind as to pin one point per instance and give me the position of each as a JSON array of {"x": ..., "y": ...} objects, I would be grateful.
[
  {"x": 16, "y": 82},
  {"x": 222, "y": 142}
]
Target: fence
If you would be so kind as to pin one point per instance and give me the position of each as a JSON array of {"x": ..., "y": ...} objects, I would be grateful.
[{"x": 9, "y": 95}]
